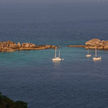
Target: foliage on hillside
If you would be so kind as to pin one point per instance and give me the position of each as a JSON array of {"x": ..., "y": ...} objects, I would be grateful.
[{"x": 5, "y": 102}]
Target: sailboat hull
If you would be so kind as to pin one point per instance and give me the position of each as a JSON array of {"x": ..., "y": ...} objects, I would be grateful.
[
  {"x": 56, "y": 59},
  {"x": 97, "y": 58},
  {"x": 88, "y": 55}
]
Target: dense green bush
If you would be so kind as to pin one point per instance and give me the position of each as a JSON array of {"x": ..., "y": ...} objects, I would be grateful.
[{"x": 5, "y": 102}]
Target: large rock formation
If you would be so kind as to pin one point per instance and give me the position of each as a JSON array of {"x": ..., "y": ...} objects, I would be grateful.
[
  {"x": 96, "y": 43},
  {"x": 5, "y": 102},
  {"x": 9, "y": 46},
  {"x": 93, "y": 42}
]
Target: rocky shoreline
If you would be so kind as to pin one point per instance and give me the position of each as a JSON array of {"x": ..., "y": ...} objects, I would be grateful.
[
  {"x": 94, "y": 43},
  {"x": 9, "y": 46}
]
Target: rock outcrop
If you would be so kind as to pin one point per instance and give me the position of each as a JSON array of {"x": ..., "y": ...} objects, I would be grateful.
[
  {"x": 9, "y": 46},
  {"x": 96, "y": 43}
]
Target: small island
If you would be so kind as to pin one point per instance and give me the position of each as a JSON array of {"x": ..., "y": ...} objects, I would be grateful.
[
  {"x": 94, "y": 43},
  {"x": 6, "y": 102},
  {"x": 9, "y": 46}
]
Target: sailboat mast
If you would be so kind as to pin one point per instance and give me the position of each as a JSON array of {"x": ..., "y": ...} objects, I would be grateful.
[
  {"x": 95, "y": 52},
  {"x": 88, "y": 51},
  {"x": 55, "y": 52},
  {"x": 59, "y": 53}
]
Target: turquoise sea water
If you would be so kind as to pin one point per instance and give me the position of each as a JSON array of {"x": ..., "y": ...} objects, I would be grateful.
[{"x": 76, "y": 82}]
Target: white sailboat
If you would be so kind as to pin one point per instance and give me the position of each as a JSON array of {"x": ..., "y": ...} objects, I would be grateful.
[
  {"x": 57, "y": 58},
  {"x": 88, "y": 55},
  {"x": 96, "y": 58}
]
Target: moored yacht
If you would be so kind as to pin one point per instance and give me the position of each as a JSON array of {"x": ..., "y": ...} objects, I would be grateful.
[
  {"x": 57, "y": 58},
  {"x": 88, "y": 55},
  {"x": 96, "y": 58}
]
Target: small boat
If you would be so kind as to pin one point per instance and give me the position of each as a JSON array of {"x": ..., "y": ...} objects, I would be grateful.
[
  {"x": 96, "y": 58},
  {"x": 88, "y": 55},
  {"x": 57, "y": 59}
]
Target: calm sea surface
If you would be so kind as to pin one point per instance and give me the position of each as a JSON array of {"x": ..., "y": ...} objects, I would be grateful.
[{"x": 31, "y": 76}]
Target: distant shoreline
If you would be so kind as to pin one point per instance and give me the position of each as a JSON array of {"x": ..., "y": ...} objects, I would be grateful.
[{"x": 9, "y": 46}]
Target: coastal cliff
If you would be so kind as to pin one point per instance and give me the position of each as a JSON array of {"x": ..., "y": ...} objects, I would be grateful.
[{"x": 9, "y": 46}]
